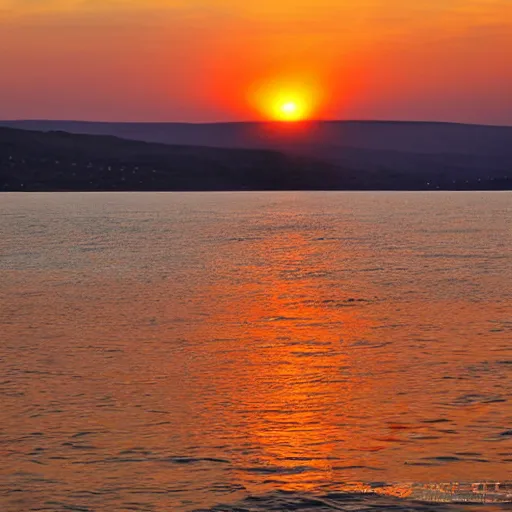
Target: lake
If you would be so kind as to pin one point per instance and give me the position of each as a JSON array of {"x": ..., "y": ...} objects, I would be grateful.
[{"x": 255, "y": 351}]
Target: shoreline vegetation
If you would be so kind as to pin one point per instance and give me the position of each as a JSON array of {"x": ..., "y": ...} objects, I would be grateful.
[{"x": 39, "y": 160}]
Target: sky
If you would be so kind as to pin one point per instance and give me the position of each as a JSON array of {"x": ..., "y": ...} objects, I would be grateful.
[{"x": 233, "y": 60}]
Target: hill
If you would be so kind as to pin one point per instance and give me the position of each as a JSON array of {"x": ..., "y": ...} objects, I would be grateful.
[
  {"x": 62, "y": 161},
  {"x": 311, "y": 137}
]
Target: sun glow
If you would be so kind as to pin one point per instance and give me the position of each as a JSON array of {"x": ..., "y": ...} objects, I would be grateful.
[
  {"x": 286, "y": 109},
  {"x": 287, "y": 102},
  {"x": 289, "y": 111}
]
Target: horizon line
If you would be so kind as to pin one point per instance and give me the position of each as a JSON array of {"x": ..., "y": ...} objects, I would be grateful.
[{"x": 255, "y": 122}]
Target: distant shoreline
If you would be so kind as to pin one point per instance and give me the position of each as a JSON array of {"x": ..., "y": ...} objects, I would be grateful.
[
  {"x": 242, "y": 159},
  {"x": 261, "y": 191},
  {"x": 6, "y": 122}
]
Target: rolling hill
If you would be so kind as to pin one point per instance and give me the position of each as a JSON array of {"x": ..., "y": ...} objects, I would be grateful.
[{"x": 251, "y": 156}]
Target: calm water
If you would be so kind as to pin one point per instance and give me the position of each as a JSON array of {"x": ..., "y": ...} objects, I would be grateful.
[{"x": 268, "y": 351}]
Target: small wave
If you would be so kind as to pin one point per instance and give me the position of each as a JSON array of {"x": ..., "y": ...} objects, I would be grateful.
[
  {"x": 278, "y": 470},
  {"x": 449, "y": 497},
  {"x": 195, "y": 460}
]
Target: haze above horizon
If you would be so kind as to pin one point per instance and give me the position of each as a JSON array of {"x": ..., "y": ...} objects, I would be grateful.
[
  {"x": 16, "y": 123},
  {"x": 220, "y": 60}
]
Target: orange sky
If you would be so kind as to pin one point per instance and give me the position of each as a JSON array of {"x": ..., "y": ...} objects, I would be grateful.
[{"x": 207, "y": 60}]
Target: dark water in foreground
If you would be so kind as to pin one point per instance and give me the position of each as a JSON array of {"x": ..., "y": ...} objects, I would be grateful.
[{"x": 264, "y": 351}]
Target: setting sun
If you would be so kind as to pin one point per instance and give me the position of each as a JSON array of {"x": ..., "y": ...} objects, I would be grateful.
[
  {"x": 290, "y": 111},
  {"x": 286, "y": 100},
  {"x": 289, "y": 108}
]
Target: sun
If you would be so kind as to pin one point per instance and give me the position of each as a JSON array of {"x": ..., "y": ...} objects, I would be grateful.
[
  {"x": 289, "y": 110},
  {"x": 286, "y": 100}
]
